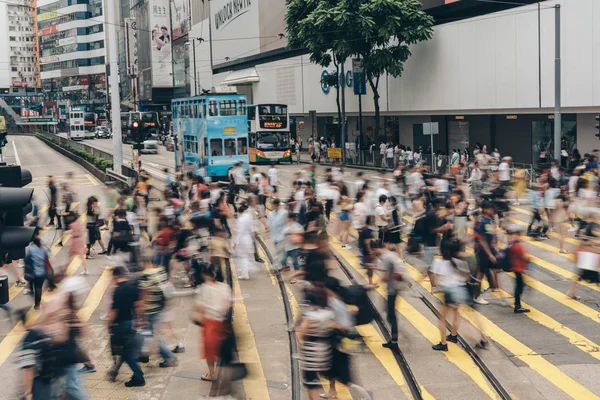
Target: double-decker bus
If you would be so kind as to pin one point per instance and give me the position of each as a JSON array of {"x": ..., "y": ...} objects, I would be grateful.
[
  {"x": 269, "y": 126},
  {"x": 89, "y": 124},
  {"x": 211, "y": 131},
  {"x": 76, "y": 125},
  {"x": 150, "y": 124}
]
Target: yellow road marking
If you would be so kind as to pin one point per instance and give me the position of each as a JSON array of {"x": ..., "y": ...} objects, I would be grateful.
[
  {"x": 255, "y": 385},
  {"x": 95, "y": 296},
  {"x": 562, "y": 272},
  {"x": 455, "y": 354},
  {"x": 535, "y": 361},
  {"x": 92, "y": 179},
  {"x": 583, "y": 343}
]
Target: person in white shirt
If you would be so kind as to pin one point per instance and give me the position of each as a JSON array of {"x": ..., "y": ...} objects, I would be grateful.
[
  {"x": 442, "y": 187},
  {"x": 360, "y": 212},
  {"x": 255, "y": 177},
  {"x": 243, "y": 242},
  {"x": 415, "y": 182},
  {"x": 273, "y": 175},
  {"x": 409, "y": 156},
  {"x": 382, "y": 217},
  {"x": 504, "y": 172},
  {"x": 360, "y": 182},
  {"x": 389, "y": 151},
  {"x": 384, "y": 190},
  {"x": 382, "y": 152}
]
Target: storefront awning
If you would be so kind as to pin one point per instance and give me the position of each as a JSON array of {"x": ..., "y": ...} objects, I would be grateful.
[{"x": 247, "y": 75}]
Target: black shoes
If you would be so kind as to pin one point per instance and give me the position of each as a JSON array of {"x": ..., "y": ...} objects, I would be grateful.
[
  {"x": 440, "y": 347},
  {"x": 452, "y": 338},
  {"x": 483, "y": 344},
  {"x": 521, "y": 310},
  {"x": 172, "y": 362},
  {"x": 392, "y": 344},
  {"x": 135, "y": 382}
]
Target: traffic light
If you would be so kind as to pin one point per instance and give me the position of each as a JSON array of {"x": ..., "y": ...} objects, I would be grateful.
[
  {"x": 3, "y": 139},
  {"x": 15, "y": 203},
  {"x": 598, "y": 126},
  {"x": 136, "y": 132}
]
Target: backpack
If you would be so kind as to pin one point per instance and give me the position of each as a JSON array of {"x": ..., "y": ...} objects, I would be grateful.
[
  {"x": 503, "y": 259},
  {"x": 356, "y": 295}
]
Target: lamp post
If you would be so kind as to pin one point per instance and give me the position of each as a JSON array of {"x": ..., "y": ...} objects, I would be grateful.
[{"x": 193, "y": 44}]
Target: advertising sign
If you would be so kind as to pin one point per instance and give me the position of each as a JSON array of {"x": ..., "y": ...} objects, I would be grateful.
[
  {"x": 49, "y": 59},
  {"x": 334, "y": 153},
  {"x": 160, "y": 43},
  {"x": 48, "y": 30},
  {"x": 74, "y": 87},
  {"x": 235, "y": 29},
  {"x": 47, "y": 15},
  {"x": 180, "y": 18},
  {"x": 131, "y": 45},
  {"x": 66, "y": 41},
  {"x": 360, "y": 84}
]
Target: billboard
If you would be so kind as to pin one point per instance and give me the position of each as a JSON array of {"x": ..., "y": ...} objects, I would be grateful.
[
  {"x": 180, "y": 18},
  {"x": 160, "y": 44},
  {"x": 131, "y": 51},
  {"x": 235, "y": 29}
]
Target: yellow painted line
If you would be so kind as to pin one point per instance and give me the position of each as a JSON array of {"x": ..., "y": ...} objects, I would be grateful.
[
  {"x": 342, "y": 390},
  {"x": 455, "y": 354},
  {"x": 543, "y": 245},
  {"x": 580, "y": 341},
  {"x": 95, "y": 296},
  {"x": 535, "y": 361},
  {"x": 255, "y": 385},
  {"x": 562, "y": 272},
  {"x": 92, "y": 179},
  {"x": 14, "y": 337}
]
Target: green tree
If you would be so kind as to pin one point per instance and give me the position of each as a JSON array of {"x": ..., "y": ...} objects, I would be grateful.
[
  {"x": 378, "y": 31},
  {"x": 311, "y": 25}
]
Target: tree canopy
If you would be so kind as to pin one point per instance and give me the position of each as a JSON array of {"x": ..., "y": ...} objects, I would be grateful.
[{"x": 380, "y": 32}]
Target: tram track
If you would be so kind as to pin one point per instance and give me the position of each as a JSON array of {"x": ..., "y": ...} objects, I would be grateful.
[
  {"x": 485, "y": 370},
  {"x": 287, "y": 306},
  {"x": 409, "y": 377}
]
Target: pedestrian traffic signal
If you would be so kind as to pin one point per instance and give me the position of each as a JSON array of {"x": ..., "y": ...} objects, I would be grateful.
[
  {"x": 136, "y": 132},
  {"x": 598, "y": 126},
  {"x": 15, "y": 203},
  {"x": 3, "y": 139}
]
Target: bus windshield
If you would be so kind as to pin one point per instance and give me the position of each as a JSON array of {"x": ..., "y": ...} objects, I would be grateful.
[
  {"x": 272, "y": 109},
  {"x": 272, "y": 140},
  {"x": 89, "y": 120}
]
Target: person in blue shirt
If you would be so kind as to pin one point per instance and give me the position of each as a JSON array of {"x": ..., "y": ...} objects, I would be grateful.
[{"x": 35, "y": 269}]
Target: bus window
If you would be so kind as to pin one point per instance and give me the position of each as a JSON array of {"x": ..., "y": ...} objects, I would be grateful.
[
  {"x": 216, "y": 147},
  {"x": 242, "y": 146},
  {"x": 195, "y": 110},
  {"x": 205, "y": 146},
  {"x": 227, "y": 107},
  {"x": 242, "y": 107},
  {"x": 251, "y": 113},
  {"x": 230, "y": 147},
  {"x": 212, "y": 108},
  {"x": 203, "y": 109}
]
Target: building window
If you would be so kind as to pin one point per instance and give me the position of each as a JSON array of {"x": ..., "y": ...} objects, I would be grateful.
[{"x": 13, "y": 69}]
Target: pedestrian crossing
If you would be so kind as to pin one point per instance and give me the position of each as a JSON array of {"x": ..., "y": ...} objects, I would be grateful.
[
  {"x": 75, "y": 181},
  {"x": 570, "y": 330}
]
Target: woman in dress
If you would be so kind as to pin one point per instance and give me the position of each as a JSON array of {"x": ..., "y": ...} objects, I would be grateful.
[
  {"x": 559, "y": 217},
  {"x": 519, "y": 184},
  {"x": 345, "y": 207},
  {"x": 243, "y": 244},
  {"x": 77, "y": 247},
  {"x": 213, "y": 302}
]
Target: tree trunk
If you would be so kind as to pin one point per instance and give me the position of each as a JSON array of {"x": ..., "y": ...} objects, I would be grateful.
[{"x": 374, "y": 88}]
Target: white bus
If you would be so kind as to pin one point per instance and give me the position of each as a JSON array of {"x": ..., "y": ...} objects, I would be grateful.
[
  {"x": 76, "y": 125},
  {"x": 269, "y": 131}
]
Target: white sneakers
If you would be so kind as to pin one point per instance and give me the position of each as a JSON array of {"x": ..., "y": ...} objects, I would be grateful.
[{"x": 480, "y": 300}]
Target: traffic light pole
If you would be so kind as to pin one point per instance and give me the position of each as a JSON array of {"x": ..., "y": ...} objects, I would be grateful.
[{"x": 557, "y": 85}]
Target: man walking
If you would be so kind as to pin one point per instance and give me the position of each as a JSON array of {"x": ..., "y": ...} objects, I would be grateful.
[
  {"x": 277, "y": 222},
  {"x": 120, "y": 326}
]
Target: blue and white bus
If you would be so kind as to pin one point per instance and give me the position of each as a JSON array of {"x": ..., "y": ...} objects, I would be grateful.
[{"x": 212, "y": 131}]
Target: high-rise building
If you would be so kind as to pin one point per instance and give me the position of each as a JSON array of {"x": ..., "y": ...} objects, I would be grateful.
[
  {"x": 72, "y": 52},
  {"x": 20, "y": 73}
]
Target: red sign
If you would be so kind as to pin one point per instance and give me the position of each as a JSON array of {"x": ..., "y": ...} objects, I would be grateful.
[
  {"x": 84, "y": 80},
  {"x": 48, "y": 30},
  {"x": 301, "y": 124}
]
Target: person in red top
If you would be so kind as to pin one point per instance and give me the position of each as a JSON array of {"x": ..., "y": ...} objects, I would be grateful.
[
  {"x": 164, "y": 242},
  {"x": 519, "y": 259}
]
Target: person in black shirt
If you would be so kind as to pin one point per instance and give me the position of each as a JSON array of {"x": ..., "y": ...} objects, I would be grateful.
[
  {"x": 315, "y": 266},
  {"x": 120, "y": 326},
  {"x": 432, "y": 226}
]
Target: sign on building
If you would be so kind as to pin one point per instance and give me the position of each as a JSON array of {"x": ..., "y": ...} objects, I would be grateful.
[
  {"x": 131, "y": 52},
  {"x": 160, "y": 44}
]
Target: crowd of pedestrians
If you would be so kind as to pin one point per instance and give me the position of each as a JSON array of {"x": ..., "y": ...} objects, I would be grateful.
[{"x": 459, "y": 226}]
